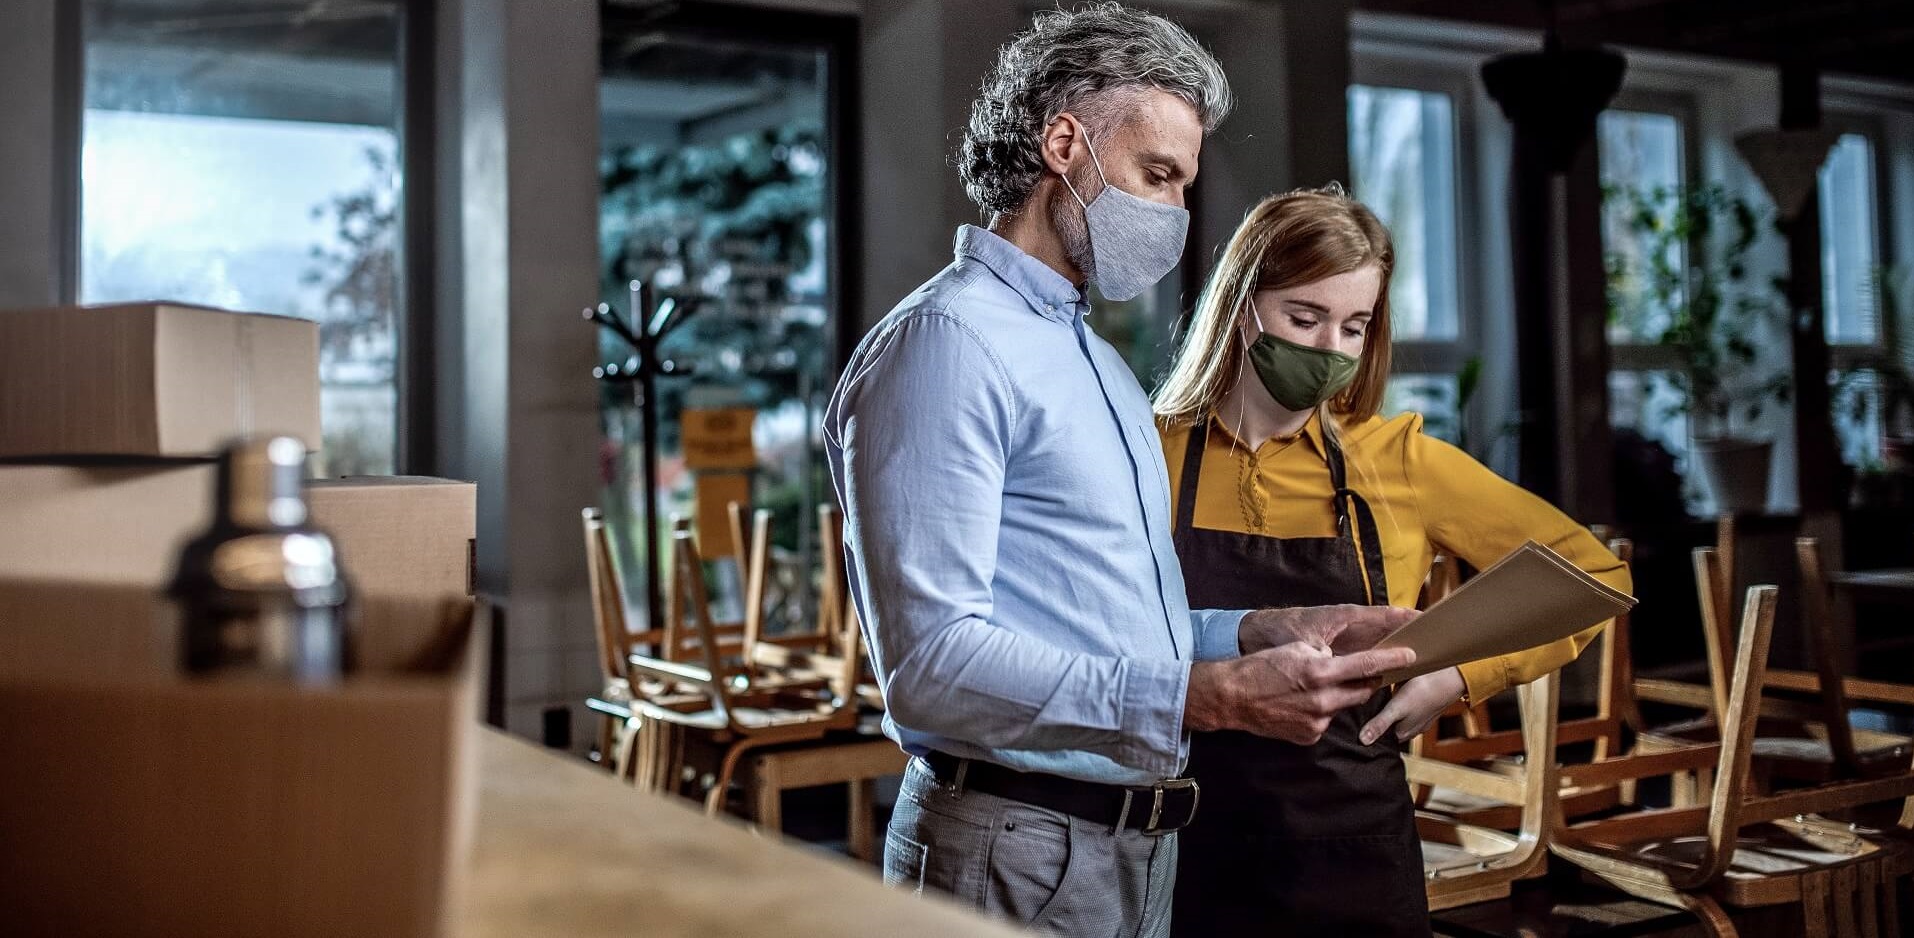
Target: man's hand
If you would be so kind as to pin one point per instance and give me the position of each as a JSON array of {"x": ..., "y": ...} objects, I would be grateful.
[
  {"x": 1416, "y": 703},
  {"x": 1345, "y": 629},
  {"x": 1286, "y": 693}
]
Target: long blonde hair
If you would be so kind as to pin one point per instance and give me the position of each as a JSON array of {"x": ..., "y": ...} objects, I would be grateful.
[{"x": 1287, "y": 240}]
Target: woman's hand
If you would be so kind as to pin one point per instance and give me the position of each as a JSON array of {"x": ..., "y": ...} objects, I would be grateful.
[{"x": 1415, "y": 704}]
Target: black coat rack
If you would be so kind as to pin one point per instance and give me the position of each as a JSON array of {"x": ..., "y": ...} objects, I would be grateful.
[{"x": 640, "y": 373}]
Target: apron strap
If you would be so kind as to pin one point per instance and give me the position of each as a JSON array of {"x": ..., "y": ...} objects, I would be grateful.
[
  {"x": 1192, "y": 469},
  {"x": 1348, "y": 502}
]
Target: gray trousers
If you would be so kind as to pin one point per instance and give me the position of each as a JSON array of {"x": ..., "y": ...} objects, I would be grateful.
[{"x": 1042, "y": 869}]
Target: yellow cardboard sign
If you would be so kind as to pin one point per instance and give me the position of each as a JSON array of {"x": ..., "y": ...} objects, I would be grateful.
[
  {"x": 719, "y": 438},
  {"x": 716, "y": 492}
]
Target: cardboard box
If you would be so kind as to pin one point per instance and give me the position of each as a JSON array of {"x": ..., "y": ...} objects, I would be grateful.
[
  {"x": 153, "y": 379},
  {"x": 166, "y": 806},
  {"x": 400, "y": 535},
  {"x": 68, "y": 526},
  {"x": 407, "y": 537}
]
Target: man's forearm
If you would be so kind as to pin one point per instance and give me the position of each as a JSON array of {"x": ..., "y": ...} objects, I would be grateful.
[{"x": 1208, "y": 705}]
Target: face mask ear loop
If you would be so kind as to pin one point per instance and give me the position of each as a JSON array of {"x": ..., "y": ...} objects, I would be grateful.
[
  {"x": 1093, "y": 159},
  {"x": 1242, "y": 403}
]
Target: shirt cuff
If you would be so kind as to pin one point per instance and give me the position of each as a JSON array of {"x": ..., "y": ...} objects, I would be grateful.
[
  {"x": 1484, "y": 679},
  {"x": 1154, "y": 692},
  {"x": 1218, "y": 633}
]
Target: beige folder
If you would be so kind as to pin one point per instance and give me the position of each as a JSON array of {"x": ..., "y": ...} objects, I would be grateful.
[{"x": 1529, "y": 598}]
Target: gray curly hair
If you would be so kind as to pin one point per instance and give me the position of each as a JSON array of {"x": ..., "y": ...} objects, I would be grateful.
[{"x": 1092, "y": 62}]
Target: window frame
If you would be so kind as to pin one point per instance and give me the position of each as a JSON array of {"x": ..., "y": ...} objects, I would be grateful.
[
  {"x": 415, "y": 357},
  {"x": 1377, "y": 68},
  {"x": 1870, "y": 126},
  {"x": 1640, "y": 357}
]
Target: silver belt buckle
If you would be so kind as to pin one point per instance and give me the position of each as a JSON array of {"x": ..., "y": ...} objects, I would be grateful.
[{"x": 1150, "y": 828}]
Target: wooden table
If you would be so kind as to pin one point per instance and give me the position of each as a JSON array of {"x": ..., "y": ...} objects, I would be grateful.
[{"x": 563, "y": 849}]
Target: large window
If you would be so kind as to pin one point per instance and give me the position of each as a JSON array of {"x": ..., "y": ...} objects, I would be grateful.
[
  {"x": 1402, "y": 157},
  {"x": 245, "y": 155},
  {"x": 1858, "y": 295},
  {"x": 1402, "y": 160},
  {"x": 721, "y": 181},
  {"x": 1850, "y": 241},
  {"x": 1644, "y": 172}
]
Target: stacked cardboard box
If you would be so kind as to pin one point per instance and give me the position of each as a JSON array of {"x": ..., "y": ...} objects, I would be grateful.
[{"x": 143, "y": 802}]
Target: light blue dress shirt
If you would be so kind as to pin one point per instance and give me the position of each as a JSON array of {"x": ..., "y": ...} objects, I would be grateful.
[{"x": 1008, "y": 529}]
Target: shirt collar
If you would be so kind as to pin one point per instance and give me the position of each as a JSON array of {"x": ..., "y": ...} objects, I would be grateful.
[
  {"x": 1312, "y": 431},
  {"x": 1048, "y": 292}
]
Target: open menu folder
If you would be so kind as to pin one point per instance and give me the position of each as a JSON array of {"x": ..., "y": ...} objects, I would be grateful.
[{"x": 1529, "y": 598}]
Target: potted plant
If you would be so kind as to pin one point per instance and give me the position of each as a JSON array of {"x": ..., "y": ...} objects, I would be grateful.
[{"x": 1681, "y": 279}]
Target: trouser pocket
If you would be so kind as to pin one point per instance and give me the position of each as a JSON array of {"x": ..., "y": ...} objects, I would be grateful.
[{"x": 904, "y": 862}]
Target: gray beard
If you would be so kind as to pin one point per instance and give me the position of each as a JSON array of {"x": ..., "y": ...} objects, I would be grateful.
[{"x": 1067, "y": 218}]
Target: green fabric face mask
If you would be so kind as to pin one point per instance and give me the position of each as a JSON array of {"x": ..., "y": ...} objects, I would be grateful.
[{"x": 1300, "y": 377}]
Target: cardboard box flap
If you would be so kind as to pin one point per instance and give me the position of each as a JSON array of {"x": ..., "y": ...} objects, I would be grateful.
[{"x": 131, "y": 633}]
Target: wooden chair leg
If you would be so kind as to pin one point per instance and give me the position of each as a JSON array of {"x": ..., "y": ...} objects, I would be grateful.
[
  {"x": 1867, "y": 903},
  {"x": 1842, "y": 891},
  {"x": 720, "y": 786},
  {"x": 1890, "y": 904},
  {"x": 1682, "y": 790},
  {"x": 862, "y": 820},
  {"x": 768, "y": 791},
  {"x": 623, "y": 753},
  {"x": 1815, "y": 888}
]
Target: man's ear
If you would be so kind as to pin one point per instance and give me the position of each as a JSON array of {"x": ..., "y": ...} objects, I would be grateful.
[{"x": 1061, "y": 141}]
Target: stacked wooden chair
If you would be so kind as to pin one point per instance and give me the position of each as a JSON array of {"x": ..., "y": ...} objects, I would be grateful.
[
  {"x": 1805, "y": 733},
  {"x": 617, "y": 642},
  {"x": 1465, "y": 863},
  {"x": 1743, "y": 848},
  {"x": 1507, "y": 751},
  {"x": 696, "y": 710}
]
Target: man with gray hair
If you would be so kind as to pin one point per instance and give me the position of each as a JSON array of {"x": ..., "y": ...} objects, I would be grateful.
[{"x": 1007, "y": 510}]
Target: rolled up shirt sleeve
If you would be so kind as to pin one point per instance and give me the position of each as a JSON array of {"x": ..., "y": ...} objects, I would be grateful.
[
  {"x": 926, "y": 426},
  {"x": 1217, "y": 637}
]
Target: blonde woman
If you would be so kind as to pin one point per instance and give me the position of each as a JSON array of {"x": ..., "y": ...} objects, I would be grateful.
[{"x": 1290, "y": 490}]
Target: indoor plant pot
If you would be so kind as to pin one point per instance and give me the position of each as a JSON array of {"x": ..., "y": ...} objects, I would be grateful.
[{"x": 1736, "y": 470}]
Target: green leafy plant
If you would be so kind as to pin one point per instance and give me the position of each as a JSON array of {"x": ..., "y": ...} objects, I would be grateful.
[
  {"x": 1681, "y": 278},
  {"x": 731, "y": 223}
]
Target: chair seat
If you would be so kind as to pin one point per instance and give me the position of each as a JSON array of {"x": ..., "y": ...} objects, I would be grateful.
[
  {"x": 820, "y": 718},
  {"x": 1485, "y": 812},
  {"x": 1805, "y": 749},
  {"x": 1448, "y": 845},
  {"x": 1769, "y": 860}
]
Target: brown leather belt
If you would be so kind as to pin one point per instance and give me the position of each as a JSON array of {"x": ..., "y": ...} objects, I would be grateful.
[{"x": 1154, "y": 810}]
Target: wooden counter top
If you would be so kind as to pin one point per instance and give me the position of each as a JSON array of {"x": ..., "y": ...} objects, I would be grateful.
[{"x": 562, "y": 849}]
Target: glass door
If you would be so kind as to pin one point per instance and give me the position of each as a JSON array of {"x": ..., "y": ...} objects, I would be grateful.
[{"x": 723, "y": 192}]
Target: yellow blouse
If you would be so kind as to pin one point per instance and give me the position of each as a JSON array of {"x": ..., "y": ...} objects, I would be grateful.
[{"x": 1427, "y": 496}]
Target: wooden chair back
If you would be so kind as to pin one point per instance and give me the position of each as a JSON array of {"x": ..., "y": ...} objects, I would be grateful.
[
  {"x": 1819, "y": 623},
  {"x": 1615, "y": 702},
  {"x": 1533, "y": 787},
  {"x": 1615, "y": 705},
  {"x": 608, "y": 605},
  {"x": 1734, "y": 804}
]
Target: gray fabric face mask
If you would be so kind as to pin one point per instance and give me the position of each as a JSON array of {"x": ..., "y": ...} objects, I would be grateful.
[{"x": 1134, "y": 242}]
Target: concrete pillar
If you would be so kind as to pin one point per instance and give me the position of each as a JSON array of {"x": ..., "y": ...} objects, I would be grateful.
[
  {"x": 527, "y": 216},
  {"x": 1315, "y": 98},
  {"x": 1251, "y": 155},
  {"x": 36, "y": 188}
]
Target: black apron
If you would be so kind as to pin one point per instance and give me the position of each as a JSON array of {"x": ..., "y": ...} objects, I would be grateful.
[{"x": 1294, "y": 840}]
